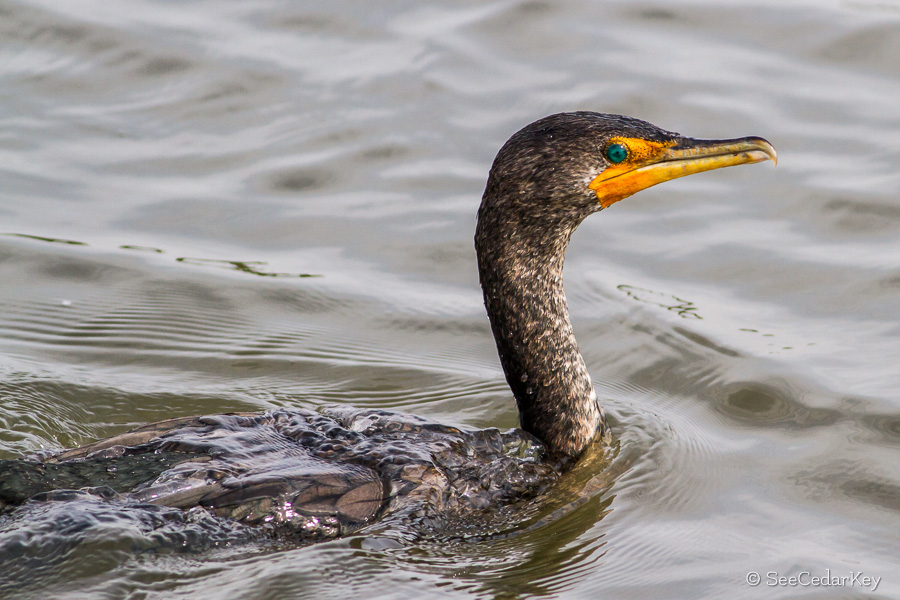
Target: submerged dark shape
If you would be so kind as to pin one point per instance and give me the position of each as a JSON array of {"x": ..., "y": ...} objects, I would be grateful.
[{"x": 321, "y": 474}]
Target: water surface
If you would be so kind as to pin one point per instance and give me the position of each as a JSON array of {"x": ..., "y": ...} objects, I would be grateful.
[{"x": 222, "y": 206}]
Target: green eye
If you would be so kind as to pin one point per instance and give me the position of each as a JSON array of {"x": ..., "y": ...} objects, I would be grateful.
[{"x": 616, "y": 153}]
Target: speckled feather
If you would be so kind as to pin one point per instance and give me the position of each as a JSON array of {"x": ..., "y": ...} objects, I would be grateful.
[
  {"x": 536, "y": 196},
  {"x": 321, "y": 474},
  {"x": 314, "y": 475}
]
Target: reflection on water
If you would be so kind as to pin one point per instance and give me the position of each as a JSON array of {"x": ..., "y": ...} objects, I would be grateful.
[
  {"x": 254, "y": 267},
  {"x": 683, "y": 308},
  {"x": 46, "y": 239},
  {"x": 251, "y": 267},
  {"x": 142, "y": 248},
  {"x": 186, "y": 145}
]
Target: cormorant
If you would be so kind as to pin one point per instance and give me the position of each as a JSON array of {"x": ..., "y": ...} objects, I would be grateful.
[{"x": 322, "y": 473}]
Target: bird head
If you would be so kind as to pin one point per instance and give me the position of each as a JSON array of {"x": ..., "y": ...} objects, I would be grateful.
[{"x": 579, "y": 163}]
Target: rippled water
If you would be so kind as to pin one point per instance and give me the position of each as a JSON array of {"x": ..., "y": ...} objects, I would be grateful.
[{"x": 220, "y": 206}]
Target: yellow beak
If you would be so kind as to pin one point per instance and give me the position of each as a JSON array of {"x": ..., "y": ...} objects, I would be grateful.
[{"x": 649, "y": 163}]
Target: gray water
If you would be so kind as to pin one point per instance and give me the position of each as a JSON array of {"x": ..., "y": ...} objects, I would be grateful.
[{"x": 172, "y": 174}]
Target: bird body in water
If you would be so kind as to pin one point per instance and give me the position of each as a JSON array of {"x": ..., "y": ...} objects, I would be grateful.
[{"x": 321, "y": 474}]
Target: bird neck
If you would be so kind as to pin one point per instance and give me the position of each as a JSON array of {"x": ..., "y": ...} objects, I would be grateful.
[{"x": 521, "y": 267}]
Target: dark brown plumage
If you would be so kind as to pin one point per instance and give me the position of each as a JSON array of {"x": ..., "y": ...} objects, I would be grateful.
[
  {"x": 537, "y": 194},
  {"x": 324, "y": 473}
]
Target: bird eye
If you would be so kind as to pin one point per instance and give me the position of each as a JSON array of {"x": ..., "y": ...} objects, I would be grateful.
[{"x": 616, "y": 153}]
